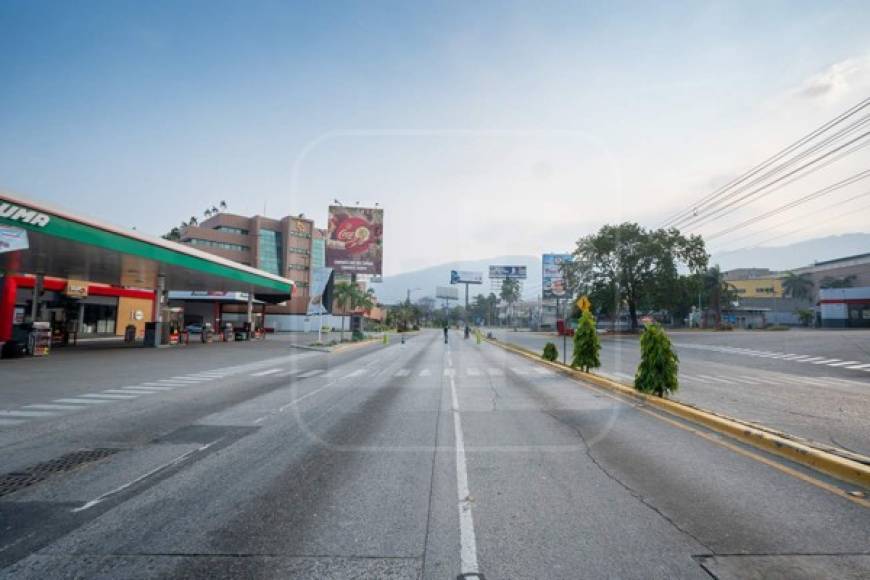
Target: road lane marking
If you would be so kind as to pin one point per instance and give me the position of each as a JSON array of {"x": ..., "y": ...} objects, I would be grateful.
[
  {"x": 403, "y": 373},
  {"x": 48, "y": 407},
  {"x": 842, "y": 364},
  {"x": 472, "y": 372},
  {"x": 27, "y": 414},
  {"x": 355, "y": 373},
  {"x": 267, "y": 372},
  {"x": 827, "y": 361},
  {"x": 448, "y": 372},
  {"x": 126, "y": 391},
  {"x": 714, "y": 379},
  {"x": 113, "y": 397},
  {"x": 494, "y": 372},
  {"x": 312, "y": 373},
  {"x": 425, "y": 373},
  {"x": 11, "y": 422},
  {"x": 467, "y": 541},
  {"x": 82, "y": 401},
  {"x": 155, "y": 388},
  {"x": 864, "y": 366},
  {"x": 746, "y": 380},
  {"x": 813, "y": 359}
]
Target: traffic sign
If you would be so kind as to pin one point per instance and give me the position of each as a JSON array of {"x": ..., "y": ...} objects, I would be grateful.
[{"x": 583, "y": 304}]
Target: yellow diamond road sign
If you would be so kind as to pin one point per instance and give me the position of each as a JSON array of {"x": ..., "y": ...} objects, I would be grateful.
[{"x": 583, "y": 304}]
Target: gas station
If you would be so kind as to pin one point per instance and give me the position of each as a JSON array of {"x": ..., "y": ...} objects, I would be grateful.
[{"x": 63, "y": 276}]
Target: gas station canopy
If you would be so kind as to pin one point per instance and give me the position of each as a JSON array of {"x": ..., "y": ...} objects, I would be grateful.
[{"x": 64, "y": 245}]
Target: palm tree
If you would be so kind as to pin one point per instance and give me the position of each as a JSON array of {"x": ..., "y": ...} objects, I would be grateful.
[
  {"x": 207, "y": 212},
  {"x": 510, "y": 293},
  {"x": 799, "y": 286},
  {"x": 193, "y": 221},
  {"x": 345, "y": 295},
  {"x": 214, "y": 210},
  {"x": 223, "y": 205},
  {"x": 719, "y": 291}
]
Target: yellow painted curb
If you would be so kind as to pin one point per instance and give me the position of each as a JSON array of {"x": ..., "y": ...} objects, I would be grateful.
[{"x": 817, "y": 459}]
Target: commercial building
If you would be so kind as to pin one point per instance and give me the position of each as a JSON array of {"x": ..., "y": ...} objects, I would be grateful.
[
  {"x": 78, "y": 276},
  {"x": 845, "y": 307}
]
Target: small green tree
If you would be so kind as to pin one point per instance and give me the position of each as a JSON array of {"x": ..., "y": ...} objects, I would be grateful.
[
  {"x": 586, "y": 344},
  {"x": 659, "y": 364},
  {"x": 550, "y": 352}
]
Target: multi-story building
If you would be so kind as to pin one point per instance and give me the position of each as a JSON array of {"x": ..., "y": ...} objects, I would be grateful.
[{"x": 283, "y": 247}]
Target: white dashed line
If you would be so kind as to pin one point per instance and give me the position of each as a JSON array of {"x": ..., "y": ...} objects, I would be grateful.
[
  {"x": 842, "y": 364},
  {"x": 82, "y": 401},
  {"x": 129, "y": 391},
  {"x": 149, "y": 388},
  {"x": 26, "y": 414},
  {"x": 113, "y": 397},
  {"x": 312, "y": 373},
  {"x": 425, "y": 373},
  {"x": 48, "y": 407},
  {"x": 403, "y": 373},
  {"x": 268, "y": 372},
  {"x": 827, "y": 361},
  {"x": 864, "y": 366}
]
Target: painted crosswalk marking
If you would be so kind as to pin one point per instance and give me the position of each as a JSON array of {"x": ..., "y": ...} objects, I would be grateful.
[
  {"x": 449, "y": 372},
  {"x": 403, "y": 373},
  {"x": 83, "y": 401},
  {"x": 266, "y": 372},
  {"x": 26, "y": 414},
  {"x": 494, "y": 372},
  {"x": 355, "y": 373},
  {"x": 425, "y": 373},
  {"x": 472, "y": 372}
]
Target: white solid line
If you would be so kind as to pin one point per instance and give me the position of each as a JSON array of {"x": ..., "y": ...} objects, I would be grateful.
[
  {"x": 355, "y": 373},
  {"x": 82, "y": 401},
  {"x": 313, "y": 373},
  {"x": 842, "y": 364},
  {"x": 10, "y": 422},
  {"x": 103, "y": 396},
  {"x": 467, "y": 541},
  {"x": 826, "y": 361},
  {"x": 864, "y": 366},
  {"x": 121, "y": 488},
  {"x": 27, "y": 414},
  {"x": 268, "y": 372},
  {"x": 54, "y": 407}
]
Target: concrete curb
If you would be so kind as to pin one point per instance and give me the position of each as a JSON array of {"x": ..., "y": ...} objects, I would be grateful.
[{"x": 841, "y": 468}]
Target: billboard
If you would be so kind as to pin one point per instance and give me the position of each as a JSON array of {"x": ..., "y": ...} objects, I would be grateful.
[
  {"x": 465, "y": 277},
  {"x": 447, "y": 293},
  {"x": 553, "y": 279},
  {"x": 355, "y": 243},
  {"x": 501, "y": 272}
]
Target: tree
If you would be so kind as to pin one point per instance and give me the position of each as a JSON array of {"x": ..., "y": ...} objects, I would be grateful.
[
  {"x": 173, "y": 235},
  {"x": 223, "y": 205},
  {"x": 718, "y": 291},
  {"x": 659, "y": 365},
  {"x": 193, "y": 221},
  {"x": 844, "y": 282},
  {"x": 550, "y": 352},
  {"x": 628, "y": 264},
  {"x": 510, "y": 293},
  {"x": 346, "y": 296},
  {"x": 586, "y": 344},
  {"x": 805, "y": 315},
  {"x": 207, "y": 212},
  {"x": 798, "y": 286}
]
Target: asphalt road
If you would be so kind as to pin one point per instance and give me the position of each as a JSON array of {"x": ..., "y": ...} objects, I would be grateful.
[
  {"x": 401, "y": 461},
  {"x": 794, "y": 381}
]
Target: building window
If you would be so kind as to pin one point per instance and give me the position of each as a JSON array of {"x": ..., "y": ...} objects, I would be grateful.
[
  {"x": 220, "y": 245},
  {"x": 231, "y": 230},
  {"x": 269, "y": 254},
  {"x": 300, "y": 234},
  {"x": 302, "y": 251},
  {"x": 318, "y": 258}
]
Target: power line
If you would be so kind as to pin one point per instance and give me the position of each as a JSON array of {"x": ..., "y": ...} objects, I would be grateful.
[
  {"x": 816, "y": 194},
  {"x": 704, "y": 201},
  {"x": 795, "y": 175}
]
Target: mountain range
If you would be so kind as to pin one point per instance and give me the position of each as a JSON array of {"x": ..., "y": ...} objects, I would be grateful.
[{"x": 424, "y": 281}]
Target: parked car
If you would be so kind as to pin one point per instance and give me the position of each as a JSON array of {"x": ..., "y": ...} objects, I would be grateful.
[{"x": 195, "y": 328}]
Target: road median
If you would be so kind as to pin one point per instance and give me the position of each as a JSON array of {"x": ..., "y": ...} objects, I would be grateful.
[{"x": 842, "y": 465}]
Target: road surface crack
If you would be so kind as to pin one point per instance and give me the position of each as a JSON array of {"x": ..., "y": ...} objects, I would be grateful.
[{"x": 634, "y": 493}]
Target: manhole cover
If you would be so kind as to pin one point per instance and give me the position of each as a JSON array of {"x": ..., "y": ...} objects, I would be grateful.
[{"x": 12, "y": 482}]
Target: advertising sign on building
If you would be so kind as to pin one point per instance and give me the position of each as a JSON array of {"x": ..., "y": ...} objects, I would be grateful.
[
  {"x": 320, "y": 297},
  {"x": 465, "y": 277},
  {"x": 355, "y": 241},
  {"x": 446, "y": 293},
  {"x": 12, "y": 239},
  {"x": 502, "y": 272},
  {"x": 76, "y": 288},
  {"x": 553, "y": 279}
]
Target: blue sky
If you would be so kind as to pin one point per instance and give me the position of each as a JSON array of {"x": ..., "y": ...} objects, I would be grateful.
[{"x": 483, "y": 128}]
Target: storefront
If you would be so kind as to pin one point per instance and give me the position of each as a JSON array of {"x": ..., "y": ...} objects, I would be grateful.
[
  {"x": 845, "y": 307},
  {"x": 80, "y": 277}
]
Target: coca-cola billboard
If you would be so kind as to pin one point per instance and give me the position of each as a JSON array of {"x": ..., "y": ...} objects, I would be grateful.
[{"x": 356, "y": 240}]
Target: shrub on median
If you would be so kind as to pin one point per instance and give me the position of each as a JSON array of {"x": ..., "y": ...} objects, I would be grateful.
[
  {"x": 586, "y": 344},
  {"x": 659, "y": 364},
  {"x": 550, "y": 352}
]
